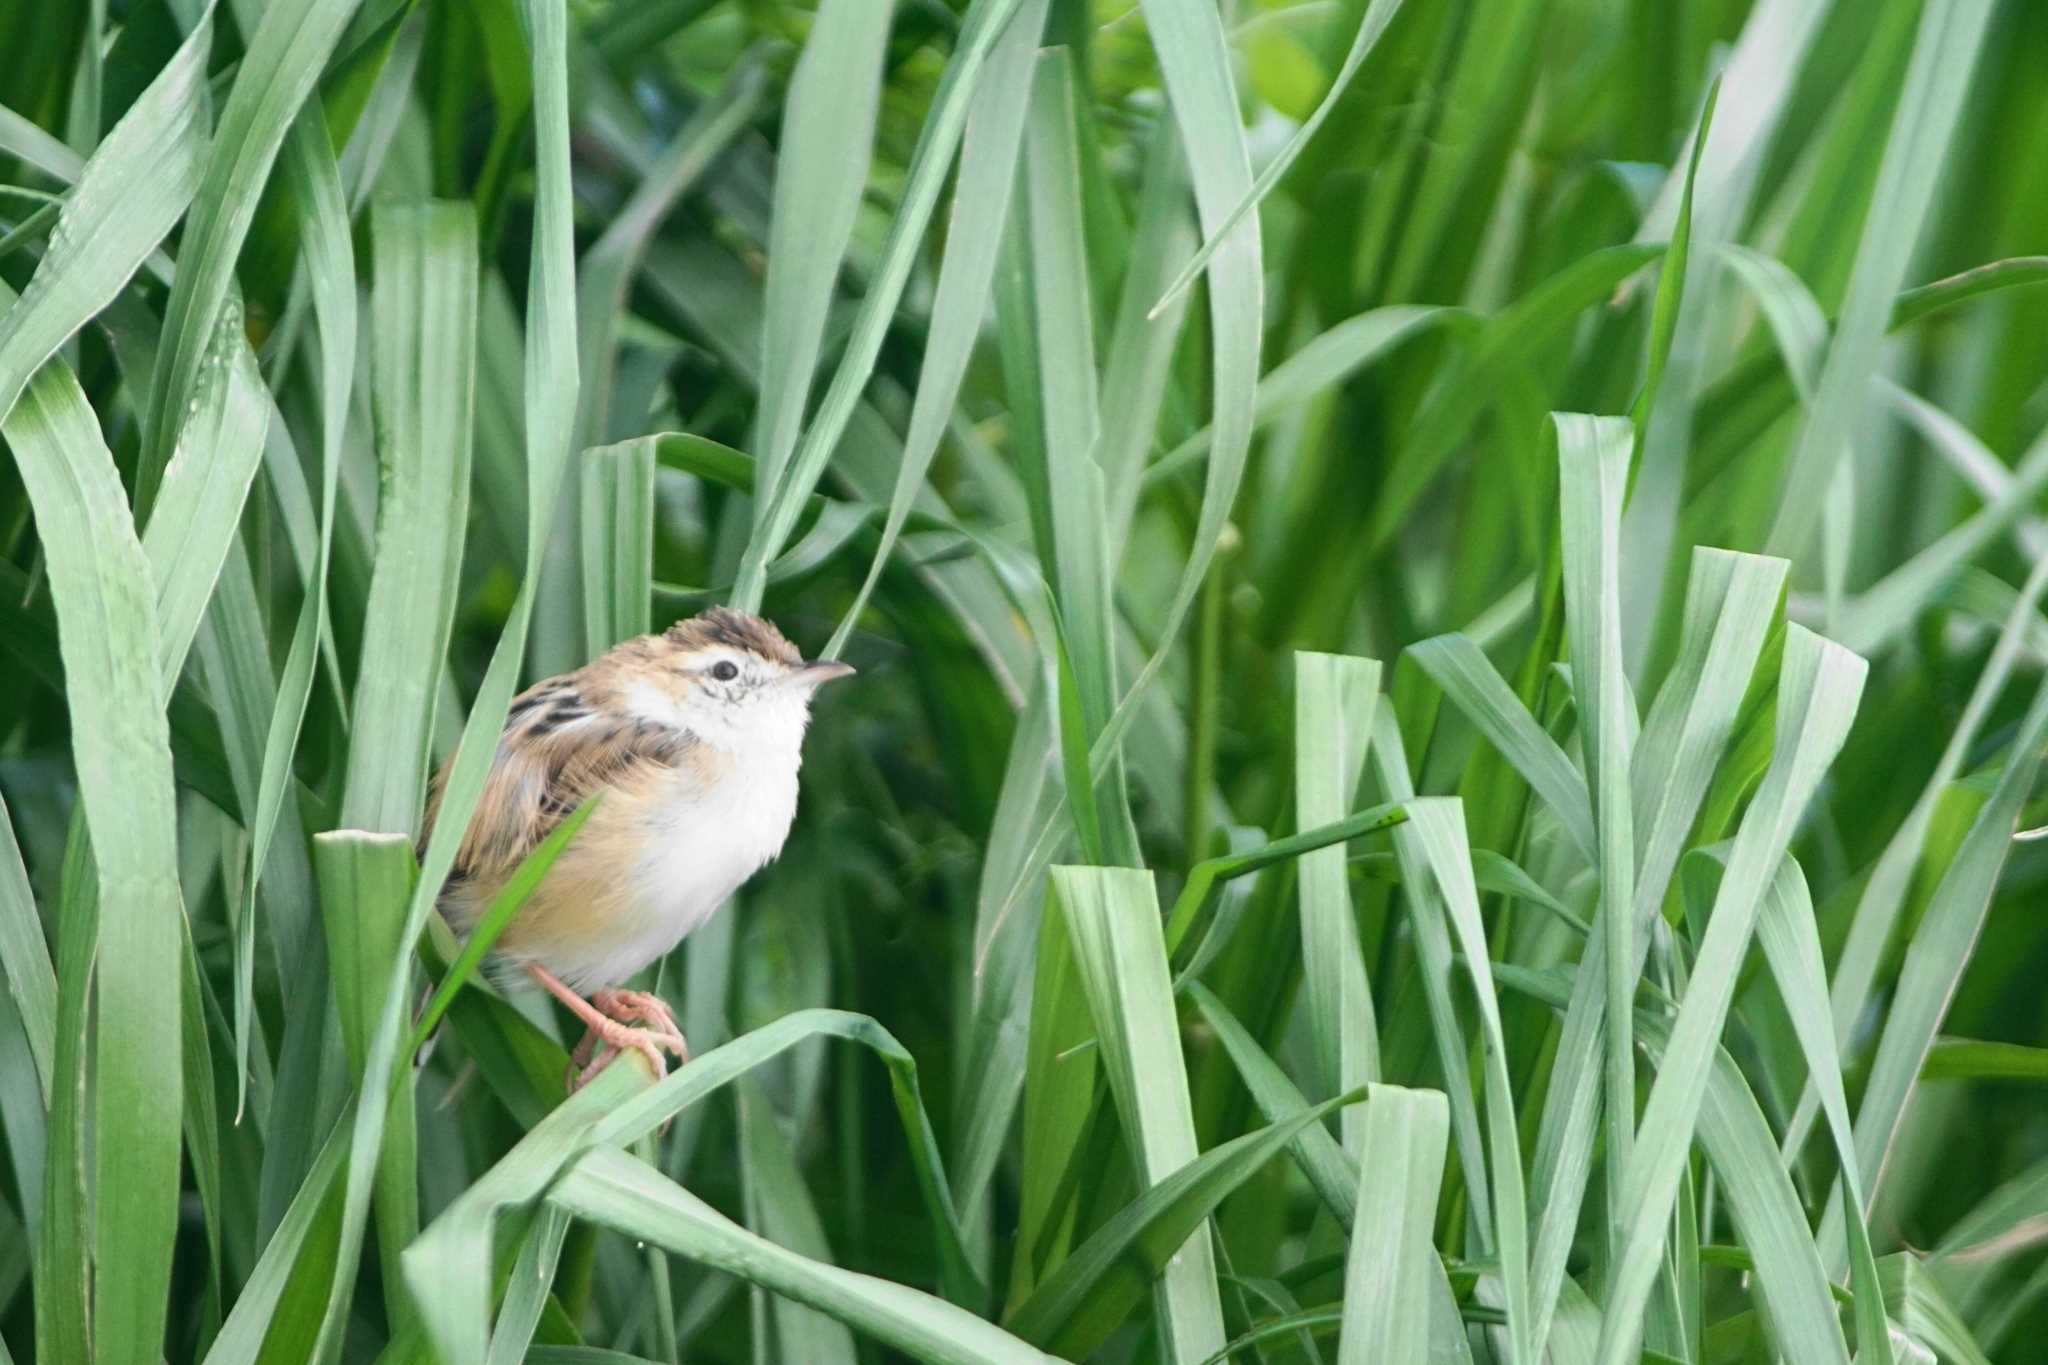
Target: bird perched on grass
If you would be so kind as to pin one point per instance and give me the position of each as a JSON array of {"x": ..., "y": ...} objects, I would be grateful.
[{"x": 694, "y": 736}]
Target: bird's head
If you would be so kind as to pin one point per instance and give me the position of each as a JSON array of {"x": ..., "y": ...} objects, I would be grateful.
[{"x": 728, "y": 677}]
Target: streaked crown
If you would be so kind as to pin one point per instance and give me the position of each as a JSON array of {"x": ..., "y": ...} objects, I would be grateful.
[{"x": 735, "y": 630}]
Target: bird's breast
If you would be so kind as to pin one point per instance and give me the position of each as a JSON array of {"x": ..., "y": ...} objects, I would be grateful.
[{"x": 706, "y": 837}]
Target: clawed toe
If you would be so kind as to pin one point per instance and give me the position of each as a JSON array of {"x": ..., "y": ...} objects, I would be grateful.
[
  {"x": 644, "y": 1007},
  {"x": 622, "y": 1010}
]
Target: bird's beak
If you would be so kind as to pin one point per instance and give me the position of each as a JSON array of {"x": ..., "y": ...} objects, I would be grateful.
[{"x": 817, "y": 672}]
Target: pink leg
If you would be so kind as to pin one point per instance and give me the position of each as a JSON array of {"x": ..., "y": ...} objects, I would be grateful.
[{"x": 603, "y": 1029}]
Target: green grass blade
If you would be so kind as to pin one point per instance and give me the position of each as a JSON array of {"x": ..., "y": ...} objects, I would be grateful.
[
  {"x": 1817, "y": 695},
  {"x": 284, "y": 59},
  {"x": 776, "y": 516},
  {"x": 617, "y": 1112},
  {"x": 200, "y": 500},
  {"x": 526, "y": 1293},
  {"x": 1884, "y": 893},
  {"x": 1318, "y": 365},
  {"x": 1926, "y": 1312},
  {"x": 1790, "y": 1279},
  {"x": 1469, "y": 679},
  {"x": 1967, "y": 455},
  {"x": 1672, "y": 274},
  {"x": 1096, "y": 1288},
  {"x": 1798, "y": 325},
  {"x": 1437, "y": 828},
  {"x": 989, "y": 147},
  {"x": 365, "y": 880},
  {"x": 1883, "y": 611},
  {"x": 25, "y": 959},
  {"x": 1944, "y": 52},
  {"x": 603, "y": 288},
  {"x": 1070, "y": 498},
  {"x": 1386, "y": 1313},
  {"x": 611, "y": 1188},
  {"x": 1377, "y": 16},
  {"x": 327, "y": 261},
  {"x": 1137, "y": 378},
  {"x": 1791, "y": 946},
  {"x": 1112, "y": 917},
  {"x": 783, "y": 1212},
  {"x": 281, "y": 1302},
  {"x": 1730, "y": 604},
  {"x": 1333, "y": 1174},
  {"x": 1193, "y": 60},
  {"x": 520, "y": 885},
  {"x": 1729, "y": 608},
  {"x": 828, "y": 132},
  {"x": 1335, "y": 698},
  {"x": 449, "y": 1267},
  {"x": 1593, "y": 461},
  {"x": 104, "y": 592},
  {"x": 1941, "y": 945},
  {"x": 423, "y": 348},
  {"x": 1193, "y": 908},
  {"x": 617, "y": 538},
  {"x": 130, "y": 193},
  {"x": 550, "y": 399},
  {"x": 1430, "y": 920},
  {"x": 936, "y": 146},
  {"x": 1525, "y": 327}
]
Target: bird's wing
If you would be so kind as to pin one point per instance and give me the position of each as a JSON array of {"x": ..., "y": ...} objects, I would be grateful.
[{"x": 556, "y": 749}]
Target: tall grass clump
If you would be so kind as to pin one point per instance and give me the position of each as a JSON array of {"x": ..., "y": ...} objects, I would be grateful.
[{"x": 1453, "y": 685}]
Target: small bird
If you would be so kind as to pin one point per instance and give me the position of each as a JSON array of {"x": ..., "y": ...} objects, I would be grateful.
[{"x": 695, "y": 737}]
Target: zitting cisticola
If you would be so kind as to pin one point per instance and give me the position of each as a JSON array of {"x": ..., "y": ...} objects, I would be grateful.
[{"x": 695, "y": 735}]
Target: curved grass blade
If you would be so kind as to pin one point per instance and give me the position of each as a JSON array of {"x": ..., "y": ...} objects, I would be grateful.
[
  {"x": 1318, "y": 365},
  {"x": 1939, "y": 948},
  {"x": 1191, "y": 909},
  {"x": 1729, "y": 609},
  {"x": 1878, "y": 615},
  {"x": 278, "y": 72},
  {"x": 25, "y": 962},
  {"x": 1884, "y": 893},
  {"x": 981, "y": 203},
  {"x": 776, "y": 511},
  {"x": 1951, "y": 31},
  {"x": 612, "y": 1188},
  {"x": 828, "y": 129},
  {"x": 1377, "y": 16},
  {"x": 1476, "y": 688},
  {"x": 132, "y": 192},
  {"x": 618, "y": 1112}
]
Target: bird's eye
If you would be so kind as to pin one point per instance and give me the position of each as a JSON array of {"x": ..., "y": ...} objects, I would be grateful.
[{"x": 725, "y": 670}]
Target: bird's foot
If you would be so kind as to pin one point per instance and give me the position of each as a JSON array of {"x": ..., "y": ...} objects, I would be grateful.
[
  {"x": 609, "y": 1037},
  {"x": 614, "y": 1031},
  {"x": 608, "y": 1018},
  {"x": 644, "y": 1007}
]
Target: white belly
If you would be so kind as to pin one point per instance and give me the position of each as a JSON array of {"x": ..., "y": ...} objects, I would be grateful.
[{"x": 697, "y": 847}]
